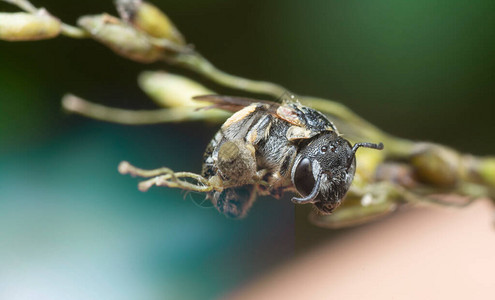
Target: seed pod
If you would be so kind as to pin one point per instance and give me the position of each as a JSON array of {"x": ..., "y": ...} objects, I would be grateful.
[
  {"x": 486, "y": 170},
  {"x": 28, "y": 27},
  {"x": 398, "y": 173},
  {"x": 150, "y": 19},
  {"x": 368, "y": 161},
  {"x": 435, "y": 164},
  {"x": 170, "y": 90},
  {"x": 120, "y": 37}
]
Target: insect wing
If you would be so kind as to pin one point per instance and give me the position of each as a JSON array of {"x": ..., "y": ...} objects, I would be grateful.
[
  {"x": 306, "y": 121},
  {"x": 288, "y": 97},
  {"x": 234, "y": 104}
]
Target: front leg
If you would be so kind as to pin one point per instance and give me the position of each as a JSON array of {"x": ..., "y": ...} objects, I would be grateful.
[{"x": 363, "y": 205}]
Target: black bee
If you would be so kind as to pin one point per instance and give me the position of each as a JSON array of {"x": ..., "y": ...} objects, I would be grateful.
[{"x": 267, "y": 148}]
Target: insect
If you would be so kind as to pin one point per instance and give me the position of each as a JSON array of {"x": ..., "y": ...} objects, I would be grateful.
[{"x": 267, "y": 148}]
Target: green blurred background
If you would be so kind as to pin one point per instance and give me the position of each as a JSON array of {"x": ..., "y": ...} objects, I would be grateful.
[{"x": 71, "y": 227}]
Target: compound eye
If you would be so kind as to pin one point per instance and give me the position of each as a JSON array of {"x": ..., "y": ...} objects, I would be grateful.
[{"x": 303, "y": 177}]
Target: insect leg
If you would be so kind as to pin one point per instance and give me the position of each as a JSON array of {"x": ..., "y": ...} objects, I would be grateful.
[
  {"x": 236, "y": 162},
  {"x": 361, "y": 206},
  {"x": 234, "y": 202},
  {"x": 352, "y": 213},
  {"x": 126, "y": 168},
  {"x": 166, "y": 177}
]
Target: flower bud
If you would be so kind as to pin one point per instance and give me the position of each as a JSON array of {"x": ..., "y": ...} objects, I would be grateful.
[
  {"x": 367, "y": 163},
  {"x": 169, "y": 90},
  {"x": 435, "y": 164},
  {"x": 150, "y": 19},
  {"x": 120, "y": 37},
  {"x": 486, "y": 170},
  {"x": 28, "y": 27}
]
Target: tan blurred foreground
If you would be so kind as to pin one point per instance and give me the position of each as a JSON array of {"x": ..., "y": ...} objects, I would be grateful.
[{"x": 424, "y": 253}]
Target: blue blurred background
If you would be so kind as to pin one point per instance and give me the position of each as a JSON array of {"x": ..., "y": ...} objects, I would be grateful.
[{"x": 71, "y": 227}]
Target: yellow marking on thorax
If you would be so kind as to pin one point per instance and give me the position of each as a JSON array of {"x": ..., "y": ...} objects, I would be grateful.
[
  {"x": 240, "y": 115},
  {"x": 288, "y": 114},
  {"x": 296, "y": 132}
]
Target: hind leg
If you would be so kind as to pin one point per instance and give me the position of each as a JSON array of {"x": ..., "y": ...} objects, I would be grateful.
[
  {"x": 234, "y": 202},
  {"x": 236, "y": 163},
  {"x": 166, "y": 177}
]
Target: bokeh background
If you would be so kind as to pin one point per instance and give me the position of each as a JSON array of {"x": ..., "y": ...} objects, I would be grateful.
[{"x": 71, "y": 227}]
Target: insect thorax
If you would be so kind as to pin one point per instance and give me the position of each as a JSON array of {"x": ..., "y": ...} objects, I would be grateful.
[{"x": 255, "y": 142}]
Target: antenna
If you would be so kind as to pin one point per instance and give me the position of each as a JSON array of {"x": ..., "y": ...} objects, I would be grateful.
[{"x": 367, "y": 145}]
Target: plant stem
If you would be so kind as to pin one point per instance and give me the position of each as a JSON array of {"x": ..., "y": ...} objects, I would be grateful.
[
  {"x": 395, "y": 147},
  {"x": 134, "y": 117},
  {"x": 202, "y": 66},
  {"x": 74, "y": 32},
  {"x": 24, "y": 5},
  {"x": 67, "y": 30}
]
